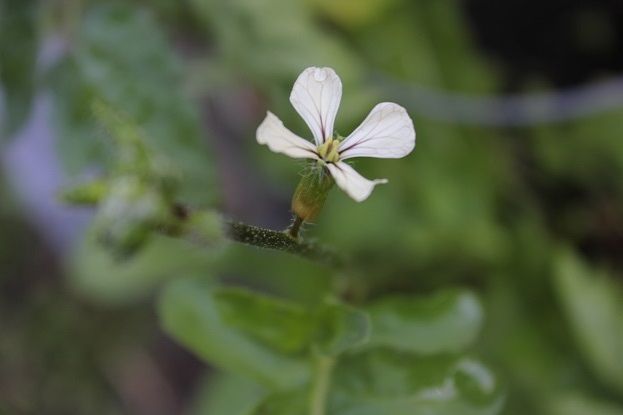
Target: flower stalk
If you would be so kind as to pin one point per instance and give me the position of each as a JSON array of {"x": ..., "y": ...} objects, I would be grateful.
[
  {"x": 295, "y": 228},
  {"x": 321, "y": 383}
]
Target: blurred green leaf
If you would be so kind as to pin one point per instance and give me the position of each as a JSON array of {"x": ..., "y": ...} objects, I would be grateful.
[
  {"x": 274, "y": 270},
  {"x": 18, "y": 53},
  {"x": 132, "y": 153},
  {"x": 353, "y": 13},
  {"x": 382, "y": 382},
  {"x": 248, "y": 36},
  {"x": 342, "y": 328},
  {"x": 593, "y": 304},
  {"x": 102, "y": 277},
  {"x": 331, "y": 327},
  {"x": 595, "y": 161},
  {"x": 142, "y": 80},
  {"x": 444, "y": 322},
  {"x": 130, "y": 213},
  {"x": 86, "y": 194},
  {"x": 139, "y": 195},
  {"x": 283, "y": 325},
  {"x": 227, "y": 394},
  {"x": 190, "y": 313},
  {"x": 271, "y": 55},
  {"x": 578, "y": 403},
  {"x": 292, "y": 403}
]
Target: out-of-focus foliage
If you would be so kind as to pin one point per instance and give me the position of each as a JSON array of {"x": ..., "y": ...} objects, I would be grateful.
[
  {"x": 462, "y": 300},
  {"x": 122, "y": 58},
  {"x": 138, "y": 195},
  {"x": 592, "y": 303},
  {"x": 450, "y": 321},
  {"x": 18, "y": 50},
  {"x": 243, "y": 333}
]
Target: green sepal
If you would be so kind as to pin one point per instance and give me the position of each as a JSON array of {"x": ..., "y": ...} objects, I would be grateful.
[{"x": 311, "y": 192}]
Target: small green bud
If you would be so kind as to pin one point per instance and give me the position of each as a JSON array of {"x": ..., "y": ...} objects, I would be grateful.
[{"x": 311, "y": 193}]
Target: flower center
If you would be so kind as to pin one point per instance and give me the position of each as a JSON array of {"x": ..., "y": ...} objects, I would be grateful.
[{"x": 328, "y": 151}]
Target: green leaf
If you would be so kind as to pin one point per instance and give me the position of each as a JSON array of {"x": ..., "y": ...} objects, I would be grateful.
[
  {"x": 97, "y": 274},
  {"x": 579, "y": 403},
  {"x": 18, "y": 50},
  {"x": 332, "y": 328},
  {"x": 383, "y": 382},
  {"x": 284, "y": 326},
  {"x": 129, "y": 214},
  {"x": 143, "y": 80},
  {"x": 292, "y": 403},
  {"x": 342, "y": 327},
  {"x": 227, "y": 394},
  {"x": 447, "y": 321},
  {"x": 593, "y": 304},
  {"x": 190, "y": 313}
]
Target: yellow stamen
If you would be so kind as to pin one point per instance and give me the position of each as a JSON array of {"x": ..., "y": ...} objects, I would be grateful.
[{"x": 328, "y": 151}]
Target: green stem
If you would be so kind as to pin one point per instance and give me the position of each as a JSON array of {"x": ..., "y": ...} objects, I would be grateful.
[
  {"x": 320, "y": 386},
  {"x": 281, "y": 241}
]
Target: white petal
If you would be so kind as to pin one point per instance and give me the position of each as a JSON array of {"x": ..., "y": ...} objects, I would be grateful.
[
  {"x": 316, "y": 96},
  {"x": 387, "y": 132},
  {"x": 281, "y": 140},
  {"x": 353, "y": 183}
]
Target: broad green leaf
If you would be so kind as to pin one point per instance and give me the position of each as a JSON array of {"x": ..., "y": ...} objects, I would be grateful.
[
  {"x": 227, "y": 394},
  {"x": 447, "y": 321},
  {"x": 342, "y": 327},
  {"x": 330, "y": 328},
  {"x": 593, "y": 303},
  {"x": 284, "y": 326},
  {"x": 274, "y": 270},
  {"x": 190, "y": 313},
  {"x": 18, "y": 50},
  {"x": 97, "y": 274},
  {"x": 383, "y": 382},
  {"x": 292, "y": 403},
  {"x": 578, "y": 403}
]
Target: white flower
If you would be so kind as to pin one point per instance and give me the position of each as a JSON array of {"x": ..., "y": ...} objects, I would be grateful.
[{"x": 387, "y": 132}]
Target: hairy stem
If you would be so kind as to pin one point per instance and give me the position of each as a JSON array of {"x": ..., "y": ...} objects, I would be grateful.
[{"x": 281, "y": 241}]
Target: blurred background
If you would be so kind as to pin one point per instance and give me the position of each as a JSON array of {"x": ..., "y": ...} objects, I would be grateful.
[{"x": 515, "y": 189}]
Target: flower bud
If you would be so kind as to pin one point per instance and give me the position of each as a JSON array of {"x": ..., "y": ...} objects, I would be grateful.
[{"x": 311, "y": 193}]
